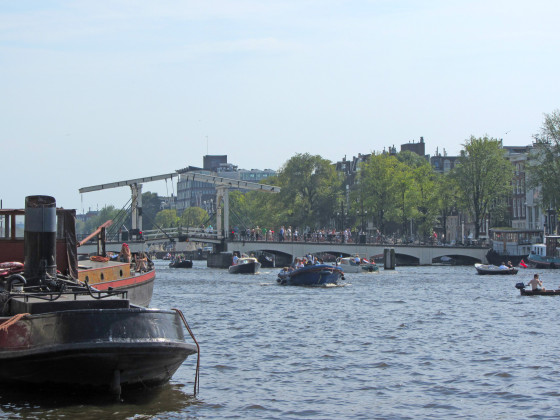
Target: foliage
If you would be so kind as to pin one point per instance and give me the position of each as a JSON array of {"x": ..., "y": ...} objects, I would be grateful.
[
  {"x": 106, "y": 213},
  {"x": 379, "y": 186},
  {"x": 544, "y": 167},
  {"x": 151, "y": 205},
  {"x": 484, "y": 176},
  {"x": 425, "y": 196},
  {"x": 447, "y": 192},
  {"x": 310, "y": 191},
  {"x": 193, "y": 217},
  {"x": 167, "y": 218}
]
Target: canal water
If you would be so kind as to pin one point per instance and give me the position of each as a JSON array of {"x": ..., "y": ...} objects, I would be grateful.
[{"x": 416, "y": 342}]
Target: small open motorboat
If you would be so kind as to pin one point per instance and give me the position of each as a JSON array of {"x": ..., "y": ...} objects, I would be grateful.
[
  {"x": 310, "y": 275},
  {"x": 349, "y": 265},
  {"x": 494, "y": 270},
  {"x": 521, "y": 287},
  {"x": 245, "y": 265},
  {"x": 181, "y": 264}
]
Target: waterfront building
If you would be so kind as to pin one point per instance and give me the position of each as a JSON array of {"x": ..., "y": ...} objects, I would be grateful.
[{"x": 202, "y": 194}]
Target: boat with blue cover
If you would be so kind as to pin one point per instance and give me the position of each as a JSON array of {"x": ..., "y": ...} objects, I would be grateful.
[{"x": 310, "y": 275}]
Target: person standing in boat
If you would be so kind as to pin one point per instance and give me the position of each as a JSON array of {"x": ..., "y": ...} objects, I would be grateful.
[
  {"x": 235, "y": 259},
  {"x": 536, "y": 283}
]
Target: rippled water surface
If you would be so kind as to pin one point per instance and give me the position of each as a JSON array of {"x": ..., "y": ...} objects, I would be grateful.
[{"x": 417, "y": 342}]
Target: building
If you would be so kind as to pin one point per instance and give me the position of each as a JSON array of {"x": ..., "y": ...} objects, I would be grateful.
[
  {"x": 443, "y": 163},
  {"x": 202, "y": 194}
]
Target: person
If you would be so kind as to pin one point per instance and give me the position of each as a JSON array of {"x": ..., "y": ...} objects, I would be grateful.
[
  {"x": 509, "y": 264},
  {"x": 125, "y": 255},
  {"x": 536, "y": 283},
  {"x": 235, "y": 259},
  {"x": 357, "y": 259},
  {"x": 503, "y": 266},
  {"x": 141, "y": 262}
]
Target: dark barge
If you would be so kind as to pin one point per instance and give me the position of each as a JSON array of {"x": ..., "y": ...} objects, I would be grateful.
[{"x": 57, "y": 330}]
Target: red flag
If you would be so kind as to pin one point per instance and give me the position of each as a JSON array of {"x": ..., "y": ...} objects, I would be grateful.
[{"x": 522, "y": 264}]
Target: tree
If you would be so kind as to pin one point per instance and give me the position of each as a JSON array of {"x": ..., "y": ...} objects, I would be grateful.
[
  {"x": 378, "y": 181},
  {"x": 425, "y": 197},
  {"x": 106, "y": 213},
  {"x": 167, "y": 218},
  {"x": 310, "y": 188},
  {"x": 193, "y": 217},
  {"x": 544, "y": 165},
  {"x": 447, "y": 192},
  {"x": 151, "y": 205},
  {"x": 484, "y": 175}
]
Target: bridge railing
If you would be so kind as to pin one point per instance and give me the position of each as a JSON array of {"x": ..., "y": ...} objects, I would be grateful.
[{"x": 178, "y": 232}]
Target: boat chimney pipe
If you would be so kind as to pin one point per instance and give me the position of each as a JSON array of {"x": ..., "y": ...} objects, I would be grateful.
[{"x": 39, "y": 238}]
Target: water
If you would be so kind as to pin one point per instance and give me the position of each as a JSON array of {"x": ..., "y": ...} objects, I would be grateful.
[{"x": 418, "y": 342}]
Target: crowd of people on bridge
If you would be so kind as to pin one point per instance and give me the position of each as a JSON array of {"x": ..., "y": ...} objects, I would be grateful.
[{"x": 331, "y": 235}]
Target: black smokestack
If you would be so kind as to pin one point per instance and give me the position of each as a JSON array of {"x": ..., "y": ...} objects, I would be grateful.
[{"x": 39, "y": 238}]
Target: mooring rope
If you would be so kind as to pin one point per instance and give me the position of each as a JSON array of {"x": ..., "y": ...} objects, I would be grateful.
[
  {"x": 7, "y": 324},
  {"x": 197, "y": 374}
]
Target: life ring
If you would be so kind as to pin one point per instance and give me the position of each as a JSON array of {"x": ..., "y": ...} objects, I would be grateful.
[{"x": 10, "y": 265}]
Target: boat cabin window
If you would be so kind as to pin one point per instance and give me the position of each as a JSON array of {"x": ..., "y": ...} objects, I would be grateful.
[{"x": 5, "y": 226}]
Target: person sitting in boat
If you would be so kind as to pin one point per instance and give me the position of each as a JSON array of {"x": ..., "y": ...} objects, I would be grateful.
[
  {"x": 235, "y": 259},
  {"x": 536, "y": 283},
  {"x": 300, "y": 263},
  {"x": 357, "y": 259},
  {"x": 141, "y": 262},
  {"x": 125, "y": 255},
  {"x": 503, "y": 266}
]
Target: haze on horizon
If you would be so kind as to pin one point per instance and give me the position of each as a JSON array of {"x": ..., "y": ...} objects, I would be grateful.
[{"x": 98, "y": 92}]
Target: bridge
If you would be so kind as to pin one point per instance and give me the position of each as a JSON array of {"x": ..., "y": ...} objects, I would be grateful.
[
  {"x": 287, "y": 250},
  {"x": 413, "y": 254}
]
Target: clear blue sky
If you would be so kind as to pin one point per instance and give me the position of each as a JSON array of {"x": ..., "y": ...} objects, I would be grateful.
[{"x": 101, "y": 91}]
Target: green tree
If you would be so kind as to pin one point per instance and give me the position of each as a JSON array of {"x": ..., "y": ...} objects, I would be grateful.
[
  {"x": 544, "y": 165},
  {"x": 378, "y": 181},
  {"x": 151, "y": 205},
  {"x": 425, "y": 197},
  {"x": 310, "y": 189},
  {"x": 484, "y": 175},
  {"x": 167, "y": 218},
  {"x": 447, "y": 192},
  {"x": 193, "y": 217},
  {"x": 106, "y": 213}
]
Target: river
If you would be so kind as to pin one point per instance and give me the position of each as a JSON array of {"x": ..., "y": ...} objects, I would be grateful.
[{"x": 416, "y": 342}]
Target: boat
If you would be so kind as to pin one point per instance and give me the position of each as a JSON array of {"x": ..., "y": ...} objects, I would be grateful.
[
  {"x": 494, "y": 269},
  {"x": 99, "y": 271},
  {"x": 511, "y": 244},
  {"x": 310, "y": 275},
  {"x": 267, "y": 259},
  {"x": 56, "y": 330},
  {"x": 521, "y": 287},
  {"x": 348, "y": 265},
  {"x": 181, "y": 264},
  {"x": 545, "y": 255},
  {"x": 245, "y": 265}
]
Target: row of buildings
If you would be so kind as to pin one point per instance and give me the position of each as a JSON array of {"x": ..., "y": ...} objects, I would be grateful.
[{"x": 525, "y": 209}]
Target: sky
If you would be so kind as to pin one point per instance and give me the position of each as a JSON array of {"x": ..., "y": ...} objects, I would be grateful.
[{"x": 94, "y": 92}]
